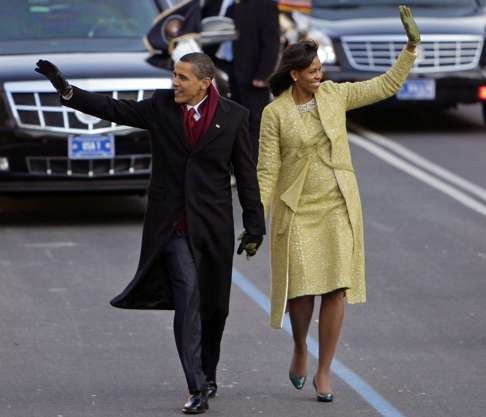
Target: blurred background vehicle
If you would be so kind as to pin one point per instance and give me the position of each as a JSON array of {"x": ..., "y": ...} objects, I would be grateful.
[
  {"x": 361, "y": 38},
  {"x": 98, "y": 45}
]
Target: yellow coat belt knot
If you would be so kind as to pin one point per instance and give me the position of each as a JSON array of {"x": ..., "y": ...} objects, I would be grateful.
[{"x": 291, "y": 195}]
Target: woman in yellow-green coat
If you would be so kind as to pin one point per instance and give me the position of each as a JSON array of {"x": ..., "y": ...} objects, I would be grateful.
[{"x": 307, "y": 177}]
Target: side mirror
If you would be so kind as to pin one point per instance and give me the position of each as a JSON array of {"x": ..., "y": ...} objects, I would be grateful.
[{"x": 217, "y": 29}]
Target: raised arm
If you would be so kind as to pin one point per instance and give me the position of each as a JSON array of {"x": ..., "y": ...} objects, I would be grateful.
[
  {"x": 362, "y": 93},
  {"x": 269, "y": 157},
  {"x": 123, "y": 112}
]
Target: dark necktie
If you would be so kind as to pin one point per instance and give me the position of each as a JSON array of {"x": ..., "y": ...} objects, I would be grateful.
[{"x": 190, "y": 118}]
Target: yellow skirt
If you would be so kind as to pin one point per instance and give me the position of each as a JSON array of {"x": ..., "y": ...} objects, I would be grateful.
[{"x": 321, "y": 237}]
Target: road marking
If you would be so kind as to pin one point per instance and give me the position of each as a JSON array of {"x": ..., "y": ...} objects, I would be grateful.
[
  {"x": 57, "y": 289},
  {"x": 418, "y": 173},
  {"x": 358, "y": 384},
  {"x": 421, "y": 161},
  {"x": 50, "y": 245}
]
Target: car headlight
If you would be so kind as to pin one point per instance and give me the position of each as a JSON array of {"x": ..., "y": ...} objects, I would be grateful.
[
  {"x": 4, "y": 165},
  {"x": 325, "y": 52}
]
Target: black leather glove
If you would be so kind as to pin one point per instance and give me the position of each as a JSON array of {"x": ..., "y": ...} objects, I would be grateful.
[
  {"x": 50, "y": 71},
  {"x": 249, "y": 243}
]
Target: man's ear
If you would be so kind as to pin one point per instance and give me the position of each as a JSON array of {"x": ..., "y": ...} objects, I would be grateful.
[{"x": 206, "y": 83}]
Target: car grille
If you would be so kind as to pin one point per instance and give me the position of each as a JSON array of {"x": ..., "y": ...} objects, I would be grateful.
[
  {"x": 62, "y": 166},
  {"x": 435, "y": 52},
  {"x": 35, "y": 106}
]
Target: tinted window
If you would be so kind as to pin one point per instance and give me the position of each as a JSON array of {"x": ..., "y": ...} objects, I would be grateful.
[{"x": 75, "y": 19}]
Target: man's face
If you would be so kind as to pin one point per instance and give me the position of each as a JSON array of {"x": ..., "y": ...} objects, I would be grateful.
[{"x": 188, "y": 89}]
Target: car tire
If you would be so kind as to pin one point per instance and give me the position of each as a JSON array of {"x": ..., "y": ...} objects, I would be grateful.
[{"x": 484, "y": 111}]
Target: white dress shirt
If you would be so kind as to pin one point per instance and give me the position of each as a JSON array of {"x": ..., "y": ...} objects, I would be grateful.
[{"x": 197, "y": 115}]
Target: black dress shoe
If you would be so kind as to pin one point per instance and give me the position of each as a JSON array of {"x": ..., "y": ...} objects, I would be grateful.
[
  {"x": 196, "y": 404},
  {"x": 212, "y": 388}
]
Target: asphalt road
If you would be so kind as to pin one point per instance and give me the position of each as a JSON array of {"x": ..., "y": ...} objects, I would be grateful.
[{"x": 416, "y": 349}]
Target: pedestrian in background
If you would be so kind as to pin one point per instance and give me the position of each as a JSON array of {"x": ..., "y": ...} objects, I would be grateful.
[
  {"x": 253, "y": 56},
  {"x": 211, "y": 7},
  {"x": 305, "y": 172},
  {"x": 188, "y": 236}
]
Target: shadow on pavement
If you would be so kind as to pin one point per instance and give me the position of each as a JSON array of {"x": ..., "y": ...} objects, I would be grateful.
[
  {"x": 71, "y": 210},
  {"x": 419, "y": 119}
]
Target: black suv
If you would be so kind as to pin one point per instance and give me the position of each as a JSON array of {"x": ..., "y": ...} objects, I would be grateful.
[
  {"x": 99, "y": 46},
  {"x": 360, "y": 38}
]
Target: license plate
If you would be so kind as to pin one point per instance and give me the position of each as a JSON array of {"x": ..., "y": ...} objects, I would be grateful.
[
  {"x": 417, "y": 90},
  {"x": 91, "y": 147}
]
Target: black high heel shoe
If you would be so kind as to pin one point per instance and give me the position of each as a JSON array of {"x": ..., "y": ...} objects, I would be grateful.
[
  {"x": 297, "y": 381},
  {"x": 327, "y": 397}
]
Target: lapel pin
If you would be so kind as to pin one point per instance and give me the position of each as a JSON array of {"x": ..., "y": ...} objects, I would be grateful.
[{"x": 218, "y": 126}]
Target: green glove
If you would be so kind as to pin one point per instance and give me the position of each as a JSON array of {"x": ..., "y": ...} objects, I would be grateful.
[
  {"x": 410, "y": 26},
  {"x": 249, "y": 243}
]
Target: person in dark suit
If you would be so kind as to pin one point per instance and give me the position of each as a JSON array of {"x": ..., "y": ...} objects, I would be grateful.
[
  {"x": 254, "y": 57},
  {"x": 211, "y": 8},
  {"x": 188, "y": 235}
]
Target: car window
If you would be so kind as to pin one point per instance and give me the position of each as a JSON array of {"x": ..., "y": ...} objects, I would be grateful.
[{"x": 75, "y": 19}]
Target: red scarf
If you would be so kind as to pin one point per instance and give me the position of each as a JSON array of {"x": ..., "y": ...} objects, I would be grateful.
[
  {"x": 207, "y": 109},
  {"x": 194, "y": 131}
]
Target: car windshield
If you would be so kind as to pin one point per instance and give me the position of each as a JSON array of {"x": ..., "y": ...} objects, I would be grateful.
[
  {"x": 26, "y": 20},
  {"x": 413, "y": 3}
]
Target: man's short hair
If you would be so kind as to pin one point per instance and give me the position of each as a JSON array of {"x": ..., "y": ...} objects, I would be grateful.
[{"x": 203, "y": 65}]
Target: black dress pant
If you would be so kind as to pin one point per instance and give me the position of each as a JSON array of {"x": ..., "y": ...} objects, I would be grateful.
[
  {"x": 212, "y": 333},
  {"x": 198, "y": 341},
  {"x": 187, "y": 318}
]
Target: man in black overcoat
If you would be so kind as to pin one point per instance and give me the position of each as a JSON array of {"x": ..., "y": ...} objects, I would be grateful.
[
  {"x": 255, "y": 54},
  {"x": 188, "y": 234}
]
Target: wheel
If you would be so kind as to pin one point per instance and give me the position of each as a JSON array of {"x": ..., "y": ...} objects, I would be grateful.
[{"x": 483, "y": 104}]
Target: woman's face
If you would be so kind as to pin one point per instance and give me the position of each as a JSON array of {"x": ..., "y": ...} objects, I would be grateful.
[{"x": 308, "y": 79}]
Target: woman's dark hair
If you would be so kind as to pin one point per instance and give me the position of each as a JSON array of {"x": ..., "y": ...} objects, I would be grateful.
[{"x": 295, "y": 57}]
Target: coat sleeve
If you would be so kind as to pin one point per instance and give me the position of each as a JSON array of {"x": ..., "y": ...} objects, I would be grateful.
[
  {"x": 362, "y": 93},
  {"x": 244, "y": 167},
  {"x": 269, "y": 157},
  {"x": 124, "y": 112},
  {"x": 269, "y": 38}
]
